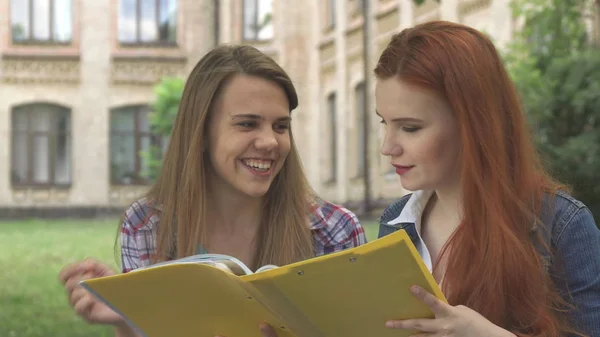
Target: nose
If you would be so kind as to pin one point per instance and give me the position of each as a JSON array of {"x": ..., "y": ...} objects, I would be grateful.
[
  {"x": 390, "y": 147},
  {"x": 266, "y": 141}
]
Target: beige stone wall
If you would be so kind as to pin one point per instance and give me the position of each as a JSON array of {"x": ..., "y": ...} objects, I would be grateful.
[
  {"x": 94, "y": 75},
  {"x": 324, "y": 59},
  {"x": 91, "y": 76}
]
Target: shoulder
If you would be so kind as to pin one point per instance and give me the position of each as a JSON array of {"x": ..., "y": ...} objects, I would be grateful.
[
  {"x": 141, "y": 215},
  {"x": 575, "y": 262},
  {"x": 393, "y": 211},
  {"x": 138, "y": 234},
  {"x": 333, "y": 224},
  {"x": 563, "y": 212}
]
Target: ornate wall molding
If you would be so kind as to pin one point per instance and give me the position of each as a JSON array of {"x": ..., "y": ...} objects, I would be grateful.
[
  {"x": 41, "y": 196},
  {"x": 145, "y": 71},
  {"x": 32, "y": 69}
]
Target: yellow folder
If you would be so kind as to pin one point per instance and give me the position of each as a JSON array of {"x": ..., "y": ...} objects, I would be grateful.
[{"x": 351, "y": 293}]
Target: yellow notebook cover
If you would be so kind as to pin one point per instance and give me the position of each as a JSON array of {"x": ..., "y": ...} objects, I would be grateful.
[{"x": 351, "y": 293}]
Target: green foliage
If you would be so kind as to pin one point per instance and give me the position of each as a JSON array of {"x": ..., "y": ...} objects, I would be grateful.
[
  {"x": 557, "y": 73},
  {"x": 168, "y": 94},
  {"x": 568, "y": 124},
  {"x": 164, "y": 110}
]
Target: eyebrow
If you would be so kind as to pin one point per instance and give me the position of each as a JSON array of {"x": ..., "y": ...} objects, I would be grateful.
[
  {"x": 254, "y": 116},
  {"x": 401, "y": 119}
]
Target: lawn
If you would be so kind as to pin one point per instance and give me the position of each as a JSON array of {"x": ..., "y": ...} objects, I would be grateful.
[{"x": 33, "y": 302}]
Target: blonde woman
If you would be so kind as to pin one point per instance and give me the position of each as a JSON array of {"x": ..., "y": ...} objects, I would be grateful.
[{"x": 231, "y": 183}]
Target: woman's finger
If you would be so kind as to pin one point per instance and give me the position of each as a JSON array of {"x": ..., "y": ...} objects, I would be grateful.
[
  {"x": 83, "y": 305},
  {"x": 420, "y": 324},
  {"x": 77, "y": 295},
  {"x": 267, "y": 330},
  {"x": 69, "y": 271},
  {"x": 438, "y": 307},
  {"x": 72, "y": 283}
]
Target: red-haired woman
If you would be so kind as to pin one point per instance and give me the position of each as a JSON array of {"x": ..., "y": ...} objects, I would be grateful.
[{"x": 513, "y": 252}]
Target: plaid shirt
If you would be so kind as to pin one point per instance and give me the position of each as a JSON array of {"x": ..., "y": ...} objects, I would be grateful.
[{"x": 334, "y": 229}]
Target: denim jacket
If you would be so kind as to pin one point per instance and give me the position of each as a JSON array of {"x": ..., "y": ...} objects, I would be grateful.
[{"x": 575, "y": 240}]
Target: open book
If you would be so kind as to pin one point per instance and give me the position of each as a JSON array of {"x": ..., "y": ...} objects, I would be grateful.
[
  {"x": 224, "y": 262},
  {"x": 351, "y": 293}
]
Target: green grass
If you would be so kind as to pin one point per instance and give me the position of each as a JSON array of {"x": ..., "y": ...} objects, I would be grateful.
[{"x": 33, "y": 302}]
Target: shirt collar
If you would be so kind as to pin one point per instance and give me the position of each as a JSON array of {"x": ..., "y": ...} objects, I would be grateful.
[{"x": 413, "y": 210}]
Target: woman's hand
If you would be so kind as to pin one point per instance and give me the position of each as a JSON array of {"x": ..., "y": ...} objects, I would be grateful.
[
  {"x": 267, "y": 330},
  {"x": 85, "y": 305},
  {"x": 449, "y": 321}
]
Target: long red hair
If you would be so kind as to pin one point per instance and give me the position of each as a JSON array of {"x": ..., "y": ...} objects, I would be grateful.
[{"x": 492, "y": 265}]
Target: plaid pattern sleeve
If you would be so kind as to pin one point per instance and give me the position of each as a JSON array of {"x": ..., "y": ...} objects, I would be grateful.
[
  {"x": 335, "y": 228},
  {"x": 138, "y": 235}
]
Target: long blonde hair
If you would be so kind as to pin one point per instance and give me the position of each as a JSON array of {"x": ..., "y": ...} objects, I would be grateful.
[{"x": 180, "y": 190}]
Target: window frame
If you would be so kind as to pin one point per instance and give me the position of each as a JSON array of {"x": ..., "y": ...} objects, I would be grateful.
[
  {"x": 51, "y": 135},
  {"x": 138, "y": 136},
  {"x": 255, "y": 36},
  {"x": 138, "y": 11},
  {"x": 31, "y": 20}
]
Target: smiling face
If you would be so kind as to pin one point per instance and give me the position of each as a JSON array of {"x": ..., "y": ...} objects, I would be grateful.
[
  {"x": 421, "y": 135},
  {"x": 248, "y": 136}
]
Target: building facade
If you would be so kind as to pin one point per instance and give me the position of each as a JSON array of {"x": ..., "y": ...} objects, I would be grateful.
[
  {"x": 320, "y": 43},
  {"x": 77, "y": 78}
]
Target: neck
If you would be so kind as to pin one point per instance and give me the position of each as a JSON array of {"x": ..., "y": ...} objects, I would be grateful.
[
  {"x": 448, "y": 201},
  {"x": 233, "y": 213}
]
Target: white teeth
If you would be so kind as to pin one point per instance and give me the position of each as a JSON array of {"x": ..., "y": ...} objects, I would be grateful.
[{"x": 258, "y": 164}]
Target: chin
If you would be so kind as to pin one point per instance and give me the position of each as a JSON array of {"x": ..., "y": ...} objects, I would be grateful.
[
  {"x": 411, "y": 187},
  {"x": 256, "y": 194},
  {"x": 257, "y": 191}
]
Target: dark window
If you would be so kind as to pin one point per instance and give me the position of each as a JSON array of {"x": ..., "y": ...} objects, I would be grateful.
[
  {"x": 41, "y": 145},
  {"x": 130, "y": 137}
]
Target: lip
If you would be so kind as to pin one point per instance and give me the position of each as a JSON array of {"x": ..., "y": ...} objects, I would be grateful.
[
  {"x": 259, "y": 173},
  {"x": 400, "y": 170}
]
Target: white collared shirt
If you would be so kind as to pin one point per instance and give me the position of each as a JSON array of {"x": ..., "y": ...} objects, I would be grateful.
[{"x": 413, "y": 213}]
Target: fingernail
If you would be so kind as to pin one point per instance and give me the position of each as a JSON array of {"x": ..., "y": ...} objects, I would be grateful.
[
  {"x": 415, "y": 289},
  {"x": 389, "y": 324}
]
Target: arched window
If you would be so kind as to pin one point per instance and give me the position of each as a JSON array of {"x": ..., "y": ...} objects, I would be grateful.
[
  {"x": 41, "y": 145},
  {"x": 130, "y": 137}
]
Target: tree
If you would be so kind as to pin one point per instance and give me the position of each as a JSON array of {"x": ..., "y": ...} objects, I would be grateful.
[
  {"x": 557, "y": 72},
  {"x": 164, "y": 110}
]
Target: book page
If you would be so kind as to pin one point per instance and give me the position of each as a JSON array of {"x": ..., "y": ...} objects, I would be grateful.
[
  {"x": 266, "y": 267},
  {"x": 225, "y": 262}
]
